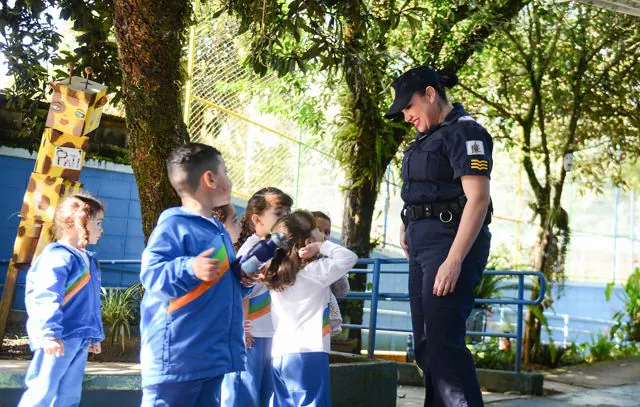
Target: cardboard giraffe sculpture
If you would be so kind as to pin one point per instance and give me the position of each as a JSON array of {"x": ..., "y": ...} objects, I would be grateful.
[{"x": 75, "y": 111}]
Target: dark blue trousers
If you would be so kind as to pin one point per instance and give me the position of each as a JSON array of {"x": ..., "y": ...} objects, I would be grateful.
[{"x": 439, "y": 323}]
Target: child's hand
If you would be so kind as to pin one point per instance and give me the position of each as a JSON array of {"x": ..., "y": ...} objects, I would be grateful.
[
  {"x": 54, "y": 347},
  {"x": 204, "y": 267},
  {"x": 310, "y": 250},
  {"x": 249, "y": 280},
  {"x": 249, "y": 340},
  {"x": 95, "y": 348}
]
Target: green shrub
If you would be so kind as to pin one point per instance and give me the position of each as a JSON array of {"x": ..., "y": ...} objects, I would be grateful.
[
  {"x": 627, "y": 320},
  {"x": 487, "y": 355},
  {"x": 547, "y": 354},
  {"x": 600, "y": 348},
  {"x": 120, "y": 311},
  {"x": 573, "y": 355}
]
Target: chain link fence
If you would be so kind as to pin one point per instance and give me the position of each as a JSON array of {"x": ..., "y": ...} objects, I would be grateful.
[
  {"x": 259, "y": 149},
  {"x": 223, "y": 109}
]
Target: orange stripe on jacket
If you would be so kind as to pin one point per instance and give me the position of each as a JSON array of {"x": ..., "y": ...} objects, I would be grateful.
[
  {"x": 205, "y": 285},
  {"x": 76, "y": 286}
]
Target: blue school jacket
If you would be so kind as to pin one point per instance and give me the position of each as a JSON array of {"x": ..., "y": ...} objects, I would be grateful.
[
  {"x": 63, "y": 296},
  {"x": 189, "y": 329}
]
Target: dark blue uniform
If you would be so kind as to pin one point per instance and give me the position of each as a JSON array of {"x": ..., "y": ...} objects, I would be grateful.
[{"x": 431, "y": 171}]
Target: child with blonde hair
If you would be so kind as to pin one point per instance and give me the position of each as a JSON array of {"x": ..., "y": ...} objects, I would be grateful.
[{"x": 63, "y": 306}]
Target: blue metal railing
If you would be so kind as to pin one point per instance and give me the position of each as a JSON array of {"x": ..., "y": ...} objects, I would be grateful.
[{"x": 375, "y": 296}]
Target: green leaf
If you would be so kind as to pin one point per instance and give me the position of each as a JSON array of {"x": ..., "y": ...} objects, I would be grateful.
[{"x": 607, "y": 290}]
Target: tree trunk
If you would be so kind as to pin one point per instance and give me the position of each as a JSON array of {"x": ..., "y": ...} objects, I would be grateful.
[
  {"x": 150, "y": 36},
  {"x": 533, "y": 327},
  {"x": 356, "y": 225}
]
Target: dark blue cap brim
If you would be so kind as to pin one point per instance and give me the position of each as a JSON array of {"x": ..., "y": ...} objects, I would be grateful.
[{"x": 398, "y": 105}]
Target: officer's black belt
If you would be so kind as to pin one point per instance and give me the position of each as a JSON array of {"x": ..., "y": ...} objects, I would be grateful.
[{"x": 445, "y": 211}]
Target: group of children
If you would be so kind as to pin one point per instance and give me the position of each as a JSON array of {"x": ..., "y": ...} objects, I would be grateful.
[{"x": 210, "y": 335}]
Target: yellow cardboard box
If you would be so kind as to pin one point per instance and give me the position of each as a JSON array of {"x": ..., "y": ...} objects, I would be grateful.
[
  {"x": 76, "y": 106},
  {"x": 43, "y": 195},
  {"x": 61, "y": 155}
]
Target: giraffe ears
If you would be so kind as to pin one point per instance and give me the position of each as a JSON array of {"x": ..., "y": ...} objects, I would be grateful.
[{"x": 102, "y": 101}]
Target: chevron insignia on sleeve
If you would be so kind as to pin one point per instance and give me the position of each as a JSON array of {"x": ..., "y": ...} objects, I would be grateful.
[{"x": 481, "y": 165}]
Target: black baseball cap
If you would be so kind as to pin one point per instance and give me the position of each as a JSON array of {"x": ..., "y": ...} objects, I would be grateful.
[{"x": 405, "y": 85}]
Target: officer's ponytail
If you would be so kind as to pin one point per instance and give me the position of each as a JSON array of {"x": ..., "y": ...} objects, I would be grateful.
[{"x": 447, "y": 80}]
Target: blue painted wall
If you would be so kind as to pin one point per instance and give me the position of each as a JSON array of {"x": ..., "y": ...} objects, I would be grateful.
[{"x": 122, "y": 238}]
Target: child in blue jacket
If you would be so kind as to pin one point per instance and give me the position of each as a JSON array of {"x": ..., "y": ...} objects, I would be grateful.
[
  {"x": 191, "y": 313},
  {"x": 63, "y": 305}
]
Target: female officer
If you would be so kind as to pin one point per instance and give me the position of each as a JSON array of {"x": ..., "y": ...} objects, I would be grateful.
[{"x": 445, "y": 174}]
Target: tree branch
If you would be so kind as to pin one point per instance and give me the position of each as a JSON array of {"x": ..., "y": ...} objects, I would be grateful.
[
  {"x": 437, "y": 40},
  {"x": 542, "y": 61},
  {"x": 500, "y": 15},
  {"x": 521, "y": 51},
  {"x": 502, "y": 109},
  {"x": 527, "y": 163}
]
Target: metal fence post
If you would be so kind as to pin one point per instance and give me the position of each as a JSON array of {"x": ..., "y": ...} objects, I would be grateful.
[
  {"x": 373, "y": 313},
  {"x": 519, "y": 326}
]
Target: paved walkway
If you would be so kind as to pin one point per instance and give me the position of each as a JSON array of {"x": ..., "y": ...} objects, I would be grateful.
[
  {"x": 410, "y": 396},
  {"x": 614, "y": 383},
  {"x": 604, "y": 384}
]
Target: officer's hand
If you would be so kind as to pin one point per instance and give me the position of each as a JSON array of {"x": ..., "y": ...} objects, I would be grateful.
[
  {"x": 446, "y": 278},
  {"x": 204, "y": 267},
  {"x": 95, "y": 348},
  {"x": 403, "y": 239}
]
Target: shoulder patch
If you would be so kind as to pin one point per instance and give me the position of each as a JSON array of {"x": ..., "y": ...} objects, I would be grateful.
[
  {"x": 475, "y": 147},
  {"x": 466, "y": 119}
]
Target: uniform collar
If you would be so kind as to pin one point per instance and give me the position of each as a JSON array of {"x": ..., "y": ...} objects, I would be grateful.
[
  {"x": 74, "y": 251},
  {"x": 455, "y": 113}
]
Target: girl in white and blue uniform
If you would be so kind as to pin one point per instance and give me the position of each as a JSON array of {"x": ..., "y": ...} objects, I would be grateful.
[
  {"x": 63, "y": 305},
  {"x": 299, "y": 277},
  {"x": 253, "y": 387}
]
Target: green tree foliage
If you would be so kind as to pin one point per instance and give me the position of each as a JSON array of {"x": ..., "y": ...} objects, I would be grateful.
[
  {"x": 358, "y": 47},
  {"x": 562, "y": 78},
  {"x": 627, "y": 320},
  {"x": 30, "y": 43},
  {"x": 135, "y": 48}
]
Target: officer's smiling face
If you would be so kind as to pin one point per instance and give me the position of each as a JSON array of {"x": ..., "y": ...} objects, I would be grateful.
[{"x": 422, "y": 110}]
